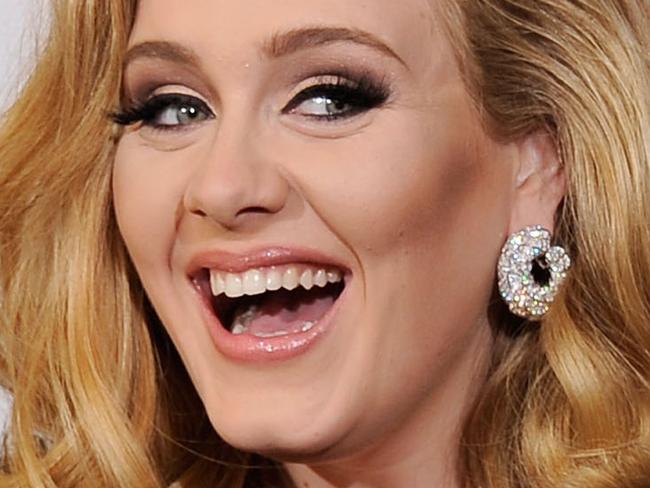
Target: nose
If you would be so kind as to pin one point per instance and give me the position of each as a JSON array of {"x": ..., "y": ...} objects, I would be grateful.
[{"x": 236, "y": 184}]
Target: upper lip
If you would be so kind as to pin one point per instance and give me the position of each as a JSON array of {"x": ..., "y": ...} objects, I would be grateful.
[{"x": 258, "y": 258}]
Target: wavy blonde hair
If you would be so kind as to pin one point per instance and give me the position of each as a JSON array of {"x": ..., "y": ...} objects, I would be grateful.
[{"x": 92, "y": 372}]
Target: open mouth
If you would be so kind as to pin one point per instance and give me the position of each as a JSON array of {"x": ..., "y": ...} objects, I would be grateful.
[{"x": 272, "y": 301}]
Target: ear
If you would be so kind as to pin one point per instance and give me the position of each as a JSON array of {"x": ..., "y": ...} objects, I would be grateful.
[{"x": 540, "y": 183}]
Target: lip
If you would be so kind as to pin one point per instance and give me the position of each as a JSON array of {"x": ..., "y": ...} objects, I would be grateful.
[
  {"x": 259, "y": 258},
  {"x": 247, "y": 348}
]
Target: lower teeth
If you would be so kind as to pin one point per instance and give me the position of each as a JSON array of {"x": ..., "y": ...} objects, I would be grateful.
[
  {"x": 243, "y": 319},
  {"x": 265, "y": 335},
  {"x": 307, "y": 326},
  {"x": 241, "y": 328}
]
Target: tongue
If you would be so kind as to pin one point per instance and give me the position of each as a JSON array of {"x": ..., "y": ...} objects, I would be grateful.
[{"x": 289, "y": 312}]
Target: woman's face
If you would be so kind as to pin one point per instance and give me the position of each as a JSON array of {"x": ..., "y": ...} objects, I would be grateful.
[{"x": 330, "y": 149}]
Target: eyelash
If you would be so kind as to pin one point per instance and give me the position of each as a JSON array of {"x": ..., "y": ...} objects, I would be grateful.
[
  {"x": 148, "y": 111},
  {"x": 360, "y": 95}
]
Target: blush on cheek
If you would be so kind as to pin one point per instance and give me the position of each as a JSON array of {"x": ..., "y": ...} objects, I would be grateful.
[
  {"x": 427, "y": 194},
  {"x": 145, "y": 206}
]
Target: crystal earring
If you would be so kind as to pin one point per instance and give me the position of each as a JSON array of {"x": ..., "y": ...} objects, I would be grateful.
[{"x": 530, "y": 271}]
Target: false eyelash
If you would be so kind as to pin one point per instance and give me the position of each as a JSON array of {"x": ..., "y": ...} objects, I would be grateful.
[
  {"x": 147, "y": 111},
  {"x": 362, "y": 92}
]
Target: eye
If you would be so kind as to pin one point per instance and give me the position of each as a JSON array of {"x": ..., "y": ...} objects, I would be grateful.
[
  {"x": 166, "y": 112},
  {"x": 179, "y": 114},
  {"x": 325, "y": 101},
  {"x": 337, "y": 99}
]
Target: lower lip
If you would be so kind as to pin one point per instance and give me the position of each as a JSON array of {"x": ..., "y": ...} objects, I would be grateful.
[{"x": 248, "y": 348}]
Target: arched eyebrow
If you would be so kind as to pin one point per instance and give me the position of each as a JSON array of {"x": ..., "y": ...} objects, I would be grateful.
[
  {"x": 168, "y": 51},
  {"x": 279, "y": 45},
  {"x": 289, "y": 42}
]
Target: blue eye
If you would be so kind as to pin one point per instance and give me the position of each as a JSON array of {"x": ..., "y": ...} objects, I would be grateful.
[
  {"x": 341, "y": 99},
  {"x": 168, "y": 111},
  {"x": 328, "y": 106},
  {"x": 179, "y": 115}
]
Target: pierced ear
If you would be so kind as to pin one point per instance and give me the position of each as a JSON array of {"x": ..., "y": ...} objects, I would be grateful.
[{"x": 540, "y": 183}]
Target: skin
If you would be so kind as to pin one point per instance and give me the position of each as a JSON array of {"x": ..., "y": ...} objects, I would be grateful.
[{"x": 414, "y": 197}]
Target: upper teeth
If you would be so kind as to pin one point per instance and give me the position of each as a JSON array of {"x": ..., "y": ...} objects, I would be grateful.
[{"x": 259, "y": 280}]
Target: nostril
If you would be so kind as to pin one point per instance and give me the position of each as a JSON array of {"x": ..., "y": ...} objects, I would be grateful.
[
  {"x": 253, "y": 210},
  {"x": 192, "y": 206}
]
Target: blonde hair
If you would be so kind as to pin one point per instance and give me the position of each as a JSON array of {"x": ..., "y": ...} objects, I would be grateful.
[
  {"x": 568, "y": 404},
  {"x": 91, "y": 370}
]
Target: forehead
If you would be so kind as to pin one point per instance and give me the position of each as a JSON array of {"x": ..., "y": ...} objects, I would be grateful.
[{"x": 410, "y": 27}]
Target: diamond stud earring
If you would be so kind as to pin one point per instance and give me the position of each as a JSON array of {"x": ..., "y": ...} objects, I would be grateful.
[{"x": 530, "y": 271}]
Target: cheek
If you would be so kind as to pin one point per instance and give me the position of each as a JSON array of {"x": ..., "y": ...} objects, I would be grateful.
[
  {"x": 413, "y": 186},
  {"x": 147, "y": 193}
]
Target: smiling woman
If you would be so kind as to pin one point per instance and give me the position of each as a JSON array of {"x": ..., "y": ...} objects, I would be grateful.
[{"x": 308, "y": 244}]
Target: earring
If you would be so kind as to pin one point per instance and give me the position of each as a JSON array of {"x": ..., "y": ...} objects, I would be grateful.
[{"x": 530, "y": 271}]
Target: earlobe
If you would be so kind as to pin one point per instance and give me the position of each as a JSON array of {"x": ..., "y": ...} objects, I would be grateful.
[{"x": 540, "y": 183}]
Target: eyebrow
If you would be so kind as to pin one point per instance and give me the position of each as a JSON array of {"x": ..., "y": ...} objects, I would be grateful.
[
  {"x": 279, "y": 45},
  {"x": 168, "y": 51},
  {"x": 286, "y": 43}
]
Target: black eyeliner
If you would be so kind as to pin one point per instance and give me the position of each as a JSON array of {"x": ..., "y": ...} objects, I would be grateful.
[
  {"x": 358, "y": 92},
  {"x": 147, "y": 111}
]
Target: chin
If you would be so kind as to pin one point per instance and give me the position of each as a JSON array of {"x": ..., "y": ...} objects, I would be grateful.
[
  {"x": 285, "y": 436},
  {"x": 283, "y": 442}
]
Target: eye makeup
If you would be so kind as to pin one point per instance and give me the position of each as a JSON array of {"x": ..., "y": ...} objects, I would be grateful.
[
  {"x": 326, "y": 95},
  {"x": 333, "y": 96},
  {"x": 157, "y": 110}
]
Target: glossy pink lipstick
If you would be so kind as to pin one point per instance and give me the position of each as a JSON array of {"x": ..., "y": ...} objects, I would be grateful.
[{"x": 268, "y": 304}]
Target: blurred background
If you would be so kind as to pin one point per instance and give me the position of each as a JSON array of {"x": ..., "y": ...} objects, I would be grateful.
[{"x": 23, "y": 26}]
